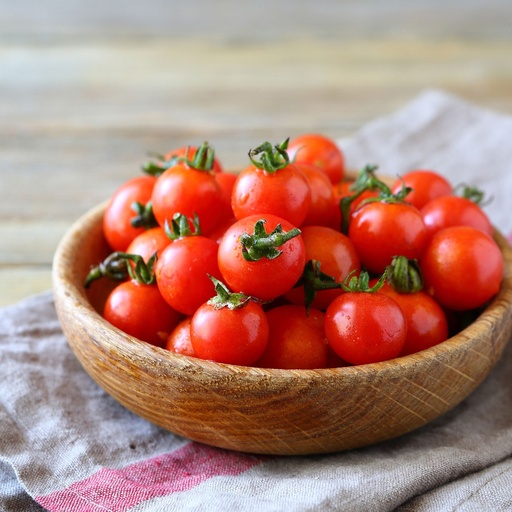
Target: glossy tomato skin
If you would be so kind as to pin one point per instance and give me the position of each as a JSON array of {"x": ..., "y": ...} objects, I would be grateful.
[
  {"x": 117, "y": 226},
  {"x": 285, "y": 193},
  {"x": 426, "y": 185},
  {"x": 179, "y": 340},
  {"x": 462, "y": 268},
  {"x": 321, "y": 151},
  {"x": 380, "y": 231},
  {"x": 323, "y": 211},
  {"x": 226, "y": 181},
  {"x": 427, "y": 324},
  {"x": 265, "y": 279},
  {"x": 237, "y": 336},
  {"x": 149, "y": 242},
  {"x": 363, "y": 327},
  {"x": 337, "y": 256},
  {"x": 183, "y": 189},
  {"x": 182, "y": 272},
  {"x": 139, "y": 310},
  {"x": 296, "y": 339},
  {"x": 449, "y": 211}
]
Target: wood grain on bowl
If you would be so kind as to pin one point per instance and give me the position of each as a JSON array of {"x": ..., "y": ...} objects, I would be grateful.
[{"x": 269, "y": 411}]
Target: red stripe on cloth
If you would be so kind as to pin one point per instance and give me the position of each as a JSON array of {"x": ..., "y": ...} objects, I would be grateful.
[{"x": 117, "y": 490}]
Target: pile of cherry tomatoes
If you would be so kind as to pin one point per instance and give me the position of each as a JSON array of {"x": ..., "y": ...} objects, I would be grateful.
[{"x": 290, "y": 265}]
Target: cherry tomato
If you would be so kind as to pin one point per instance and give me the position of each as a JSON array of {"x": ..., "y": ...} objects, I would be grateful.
[
  {"x": 139, "y": 310},
  {"x": 323, "y": 210},
  {"x": 449, "y": 211},
  {"x": 319, "y": 150},
  {"x": 149, "y": 242},
  {"x": 267, "y": 277},
  {"x": 182, "y": 272},
  {"x": 296, "y": 339},
  {"x": 179, "y": 339},
  {"x": 226, "y": 180},
  {"x": 234, "y": 336},
  {"x": 337, "y": 256},
  {"x": 187, "y": 190},
  {"x": 285, "y": 193},
  {"x": 365, "y": 327},
  {"x": 117, "y": 226},
  {"x": 427, "y": 324},
  {"x": 462, "y": 267},
  {"x": 426, "y": 185},
  {"x": 381, "y": 230}
]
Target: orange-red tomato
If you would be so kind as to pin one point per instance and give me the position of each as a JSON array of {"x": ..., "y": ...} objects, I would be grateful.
[
  {"x": 296, "y": 339},
  {"x": 179, "y": 340},
  {"x": 323, "y": 210},
  {"x": 149, "y": 242},
  {"x": 462, "y": 267},
  {"x": 319, "y": 150},
  {"x": 117, "y": 226},
  {"x": 426, "y": 185},
  {"x": 266, "y": 278},
  {"x": 449, "y": 211},
  {"x": 427, "y": 324},
  {"x": 364, "y": 327},
  {"x": 182, "y": 272},
  {"x": 285, "y": 193},
  {"x": 183, "y": 189},
  {"x": 233, "y": 336},
  {"x": 139, "y": 310}
]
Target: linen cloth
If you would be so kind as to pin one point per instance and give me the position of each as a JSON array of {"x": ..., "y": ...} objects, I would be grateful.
[{"x": 66, "y": 446}]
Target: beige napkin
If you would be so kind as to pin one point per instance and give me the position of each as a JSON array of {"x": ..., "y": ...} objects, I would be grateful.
[{"x": 68, "y": 447}]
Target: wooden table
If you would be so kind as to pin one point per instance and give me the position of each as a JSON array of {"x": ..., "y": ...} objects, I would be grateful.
[{"x": 87, "y": 89}]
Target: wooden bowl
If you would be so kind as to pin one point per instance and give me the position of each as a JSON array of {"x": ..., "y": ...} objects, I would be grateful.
[{"x": 263, "y": 410}]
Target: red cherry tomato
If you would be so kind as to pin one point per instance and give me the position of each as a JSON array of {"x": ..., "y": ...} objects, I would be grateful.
[
  {"x": 149, "y": 242},
  {"x": 382, "y": 230},
  {"x": 296, "y": 339},
  {"x": 265, "y": 278},
  {"x": 226, "y": 180},
  {"x": 179, "y": 340},
  {"x": 117, "y": 226},
  {"x": 337, "y": 256},
  {"x": 183, "y": 189},
  {"x": 365, "y": 327},
  {"x": 284, "y": 193},
  {"x": 427, "y": 324},
  {"x": 234, "y": 336},
  {"x": 449, "y": 211},
  {"x": 182, "y": 272},
  {"x": 319, "y": 150},
  {"x": 426, "y": 185},
  {"x": 139, "y": 310},
  {"x": 462, "y": 267},
  {"x": 323, "y": 210}
]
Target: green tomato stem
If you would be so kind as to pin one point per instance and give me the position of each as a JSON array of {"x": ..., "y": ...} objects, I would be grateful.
[
  {"x": 272, "y": 158},
  {"x": 404, "y": 275},
  {"x": 226, "y": 298},
  {"x": 264, "y": 245}
]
